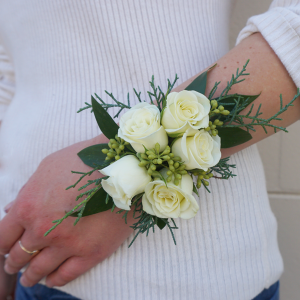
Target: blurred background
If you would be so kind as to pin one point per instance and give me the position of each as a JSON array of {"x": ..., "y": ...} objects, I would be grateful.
[{"x": 281, "y": 158}]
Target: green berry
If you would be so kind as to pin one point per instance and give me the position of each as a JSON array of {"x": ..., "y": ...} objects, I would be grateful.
[
  {"x": 178, "y": 176},
  {"x": 144, "y": 156},
  {"x": 143, "y": 163},
  {"x": 177, "y": 158},
  {"x": 152, "y": 167},
  {"x": 157, "y": 147}
]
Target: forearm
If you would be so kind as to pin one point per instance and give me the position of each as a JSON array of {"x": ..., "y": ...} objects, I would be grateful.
[{"x": 267, "y": 76}]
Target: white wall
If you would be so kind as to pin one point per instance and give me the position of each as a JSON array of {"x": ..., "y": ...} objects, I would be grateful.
[{"x": 281, "y": 158}]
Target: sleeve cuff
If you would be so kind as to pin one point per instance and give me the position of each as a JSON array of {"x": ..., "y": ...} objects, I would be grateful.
[{"x": 281, "y": 29}]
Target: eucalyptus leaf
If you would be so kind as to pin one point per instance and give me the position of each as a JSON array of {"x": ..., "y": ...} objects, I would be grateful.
[
  {"x": 93, "y": 155},
  {"x": 105, "y": 122},
  {"x": 96, "y": 204},
  {"x": 233, "y": 136}
]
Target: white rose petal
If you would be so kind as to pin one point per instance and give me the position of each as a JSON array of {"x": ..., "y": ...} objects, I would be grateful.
[
  {"x": 141, "y": 126},
  {"x": 199, "y": 151},
  {"x": 172, "y": 201},
  {"x": 126, "y": 179},
  {"x": 184, "y": 110}
]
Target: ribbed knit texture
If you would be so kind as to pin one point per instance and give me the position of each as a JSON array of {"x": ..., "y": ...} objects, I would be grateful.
[{"x": 62, "y": 52}]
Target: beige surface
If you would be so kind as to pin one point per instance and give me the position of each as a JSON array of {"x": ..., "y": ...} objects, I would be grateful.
[{"x": 281, "y": 158}]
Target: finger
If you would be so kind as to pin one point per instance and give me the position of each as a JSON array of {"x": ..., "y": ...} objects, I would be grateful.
[
  {"x": 10, "y": 232},
  {"x": 68, "y": 271},
  {"x": 18, "y": 258},
  {"x": 41, "y": 265}
]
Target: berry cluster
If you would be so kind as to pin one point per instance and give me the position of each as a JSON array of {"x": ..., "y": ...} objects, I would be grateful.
[
  {"x": 116, "y": 148},
  {"x": 153, "y": 160}
]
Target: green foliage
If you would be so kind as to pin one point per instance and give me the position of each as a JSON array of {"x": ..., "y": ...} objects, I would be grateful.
[
  {"x": 233, "y": 136},
  {"x": 93, "y": 155},
  {"x": 195, "y": 190},
  {"x": 223, "y": 168},
  {"x": 235, "y": 79},
  {"x": 96, "y": 204},
  {"x": 231, "y": 101},
  {"x": 161, "y": 223},
  {"x": 105, "y": 122},
  {"x": 158, "y": 96},
  {"x": 199, "y": 84},
  {"x": 78, "y": 208},
  {"x": 248, "y": 121},
  {"x": 146, "y": 222}
]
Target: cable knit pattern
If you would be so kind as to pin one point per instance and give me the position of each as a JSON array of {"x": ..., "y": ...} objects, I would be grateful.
[{"x": 63, "y": 51}]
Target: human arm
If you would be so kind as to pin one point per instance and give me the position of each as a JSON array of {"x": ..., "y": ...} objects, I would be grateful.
[{"x": 268, "y": 76}]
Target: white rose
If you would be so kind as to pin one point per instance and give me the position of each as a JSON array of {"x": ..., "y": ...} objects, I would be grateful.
[
  {"x": 141, "y": 126},
  {"x": 186, "y": 109},
  {"x": 126, "y": 179},
  {"x": 200, "y": 151},
  {"x": 172, "y": 201}
]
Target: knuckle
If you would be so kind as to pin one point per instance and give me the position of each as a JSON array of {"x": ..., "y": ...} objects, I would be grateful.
[
  {"x": 36, "y": 269},
  {"x": 66, "y": 276},
  {"x": 24, "y": 208}
]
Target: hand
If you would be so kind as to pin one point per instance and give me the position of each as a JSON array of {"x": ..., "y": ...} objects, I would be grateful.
[{"x": 68, "y": 251}]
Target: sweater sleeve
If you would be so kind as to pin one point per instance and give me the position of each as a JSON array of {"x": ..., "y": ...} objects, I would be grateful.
[
  {"x": 7, "y": 82},
  {"x": 280, "y": 26}
]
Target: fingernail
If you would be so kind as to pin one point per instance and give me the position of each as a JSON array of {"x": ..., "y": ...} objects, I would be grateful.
[
  {"x": 8, "y": 206},
  {"x": 24, "y": 282}
]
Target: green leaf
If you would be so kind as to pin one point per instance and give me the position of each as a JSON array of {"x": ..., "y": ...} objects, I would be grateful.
[
  {"x": 233, "y": 136},
  {"x": 105, "y": 122},
  {"x": 93, "y": 155},
  {"x": 96, "y": 204},
  {"x": 199, "y": 84},
  {"x": 161, "y": 223}
]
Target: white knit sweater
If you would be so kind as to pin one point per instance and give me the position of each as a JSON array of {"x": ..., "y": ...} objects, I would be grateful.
[{"x": 62, "y": 52}]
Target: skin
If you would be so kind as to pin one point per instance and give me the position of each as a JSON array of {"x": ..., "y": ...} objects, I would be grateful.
[{"x": 70, "y": 251}]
